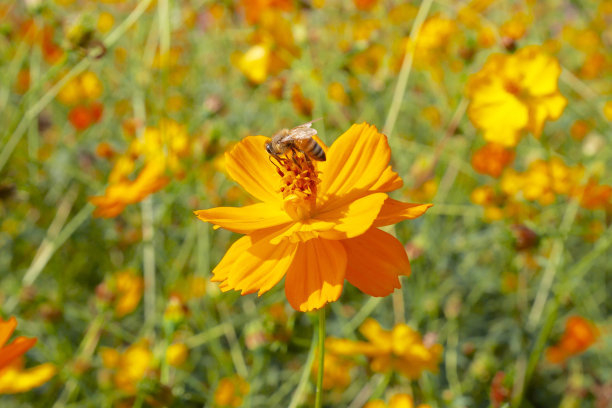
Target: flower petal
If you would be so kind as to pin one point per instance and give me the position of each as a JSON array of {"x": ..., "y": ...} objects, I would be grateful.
[
  {"x": 249, "y": 164},
  {"x": 355, "y": 162},
  {"x": 17, "y": 348},
  {"x": 375, "y": 260},
  {"x": 389, "y": 181},
  {"x": 316, "y": 274},
  {"x": 247, "y": 219},
  {"x": 394, "y": 211},
  {"x": 6, "y": 329},
  {"x": 350, "y": 220},
  {"x": 254, "y": 265},
  {"x": 354, "y": 218}
]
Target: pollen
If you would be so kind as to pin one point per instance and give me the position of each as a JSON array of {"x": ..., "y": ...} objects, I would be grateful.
[{"x": 298, "y": 185}]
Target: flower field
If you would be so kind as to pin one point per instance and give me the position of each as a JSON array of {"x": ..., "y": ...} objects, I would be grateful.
[{"x": 306, "y": 203}]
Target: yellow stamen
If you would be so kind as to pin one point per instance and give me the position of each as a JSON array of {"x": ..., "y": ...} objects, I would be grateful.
[{"x": 298, "y": 185}]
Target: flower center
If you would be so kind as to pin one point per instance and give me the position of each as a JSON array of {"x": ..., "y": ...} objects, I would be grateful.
[
  {"x": 512, "y": 87},
  {"x": 299, "y": 180}
]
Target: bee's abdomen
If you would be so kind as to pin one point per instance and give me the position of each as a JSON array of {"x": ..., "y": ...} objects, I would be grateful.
[{"x": 314, "y": 150}]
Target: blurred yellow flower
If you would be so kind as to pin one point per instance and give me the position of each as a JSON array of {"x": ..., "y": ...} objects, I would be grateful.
[
  {"x": 316, "y": 224},
  {"x": 542, "y": 181},
  {"x": 128, "y": 287},
  {"x": 607, "y": 110},
  {"x": 401, "y": 349},
  {"x": 129, "y": 367},
  {"x": 177, "y": 354},
  {"x": 516, "y": 92},
  {"x": 83, "y": 87},
  {"x": 396, "y": 401},
  {"x": 254, "y": 63},
  {"x": 230, "y": 392},
  {"x": 336, "y": 371},
  {"x": 14, "y": 378}
]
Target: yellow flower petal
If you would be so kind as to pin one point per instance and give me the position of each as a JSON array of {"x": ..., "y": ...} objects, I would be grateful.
[
  {"x": 13, "y": 380},
  {"x": 375, "y": 260},
  {"x": 354, "y": 218},
  {"x": 389, "y": 181},
  {"x": 248, "y": 164},
  {"x": 316, "y": 274},
  {"x": 494, "y": 108},
  {"x": 394, "y": 211},
  {"x": 257, "y": 268},
  {"x": 542, "y": 73},
  {"x": 542, "y": 109},
  {"x": 247, "y": 219},
  {"x": 355, "y": 163}
]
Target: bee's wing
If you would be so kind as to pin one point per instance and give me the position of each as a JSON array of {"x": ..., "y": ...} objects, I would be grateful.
[
  {"x": 301, "y": 133},
  {"x": 304, "y": 131}
]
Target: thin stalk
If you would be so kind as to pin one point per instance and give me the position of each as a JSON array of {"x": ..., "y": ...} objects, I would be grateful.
[
  {"x": 148, "y": 261},
  {"x": 402, "y": 81},
  {"x": 299, "y": 390},
  {"x": 319, "y": 392}
]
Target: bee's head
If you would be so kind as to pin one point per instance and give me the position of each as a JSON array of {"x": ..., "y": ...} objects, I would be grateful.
[{"x": 269, "y": 148}]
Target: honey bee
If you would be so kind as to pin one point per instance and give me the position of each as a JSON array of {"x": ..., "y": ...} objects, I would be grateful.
[{"x": 299, "y": 138}]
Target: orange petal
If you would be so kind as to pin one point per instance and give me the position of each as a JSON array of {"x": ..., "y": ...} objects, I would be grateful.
[
  {"x": 247, "y": 219},
  {"x": 17, "y": 348},
  {"x": 389, "y": 181},
  {"x": 394, "y": 211},
  {"x": 354, "y": 218},
  {"x": 6, "y": 329},
  {"x": 355, "y": 163},
  {"x": 375, "y": 261},
  {"x": 316, "y": 274},
  {"x": 254, "y": 265},
  {"x": 347, "y": 221},
  {"x": 249, "y": 164}
]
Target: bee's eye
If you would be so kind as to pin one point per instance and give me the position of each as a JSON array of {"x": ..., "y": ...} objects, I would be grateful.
[{"x": 269, "y": 148}]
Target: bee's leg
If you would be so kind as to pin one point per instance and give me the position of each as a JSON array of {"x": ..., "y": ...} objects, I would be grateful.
[{"x": 294, "y": 152}]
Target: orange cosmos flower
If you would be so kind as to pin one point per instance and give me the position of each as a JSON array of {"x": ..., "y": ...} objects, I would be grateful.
[
  {"x": 316, "y": 224},
  {"x": 11, "y": 352},
  {"x": 579, "y": 335}
]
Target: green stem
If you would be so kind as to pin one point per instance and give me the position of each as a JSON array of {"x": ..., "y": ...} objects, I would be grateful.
[
  {"x": 319, "y": 393},
  {"x": 402, "y": 81},
  {"x": 299, "y": 390}
]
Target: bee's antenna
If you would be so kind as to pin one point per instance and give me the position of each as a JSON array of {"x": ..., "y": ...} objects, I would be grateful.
[{"x": 277, "y": 168}]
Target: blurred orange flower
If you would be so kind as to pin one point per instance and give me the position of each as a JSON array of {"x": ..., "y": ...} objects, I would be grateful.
[
  {"x": 13, "y": 377},
  {"x": 516, "y": 92},
  {"x": 316, "y": 224},
  {"x": 230, "y": 392},
  {"x": 128, "y": 287},
  {"x": 396, "y": 401},
  {"x": 491, "y": 159},
  {"x": 578, "y": 336},
  {"x": 124, "y": 192},
  {"x": 11, "y": 352},
  {"x": 401, "y": 349}
]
